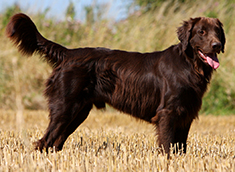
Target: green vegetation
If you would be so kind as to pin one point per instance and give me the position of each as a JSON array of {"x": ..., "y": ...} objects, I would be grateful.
[{"x": 151, "y": 27}]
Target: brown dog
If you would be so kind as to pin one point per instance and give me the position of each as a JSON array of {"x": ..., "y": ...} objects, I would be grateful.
[{"x": 162, "y": 87}]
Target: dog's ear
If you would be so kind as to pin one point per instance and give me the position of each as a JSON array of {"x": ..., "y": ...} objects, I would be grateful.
[
  {"x": 184, "y": 32},
  {"x": 222, "y": 35}
]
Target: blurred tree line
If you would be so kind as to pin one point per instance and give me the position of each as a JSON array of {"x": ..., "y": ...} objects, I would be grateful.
[{"x": 149, "y": 5}]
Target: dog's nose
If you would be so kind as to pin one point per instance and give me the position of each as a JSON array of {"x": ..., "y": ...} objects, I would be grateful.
[{"x": 216, "y": 46}]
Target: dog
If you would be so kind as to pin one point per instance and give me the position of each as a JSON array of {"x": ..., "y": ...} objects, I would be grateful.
[{"x": 164, "y": 88}]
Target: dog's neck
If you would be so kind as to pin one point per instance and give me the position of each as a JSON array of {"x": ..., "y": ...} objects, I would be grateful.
[{"x": 203, "y": 70}]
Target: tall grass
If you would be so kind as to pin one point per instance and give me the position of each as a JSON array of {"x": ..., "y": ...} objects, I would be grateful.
[{"x": 141, "y": 31}]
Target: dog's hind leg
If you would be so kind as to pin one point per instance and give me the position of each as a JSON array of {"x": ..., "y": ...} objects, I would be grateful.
[
  {"x": 69, "y": 91},
  {"x": 77, "y": 120},
  {"x": 61, "y": 126}
]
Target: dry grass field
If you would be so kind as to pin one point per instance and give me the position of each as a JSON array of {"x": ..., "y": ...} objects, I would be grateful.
[
  {"x": 108, "y": 140},
  {"x": 111, "y": 141}
]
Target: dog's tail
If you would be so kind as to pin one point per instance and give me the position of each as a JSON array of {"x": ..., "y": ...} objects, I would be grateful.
[{"x": 24, "y": 34}]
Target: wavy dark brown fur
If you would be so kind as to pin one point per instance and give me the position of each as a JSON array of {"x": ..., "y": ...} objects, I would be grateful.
[
  {"x": 24, "y": 34},
  {"x": 163, "y": 87}
]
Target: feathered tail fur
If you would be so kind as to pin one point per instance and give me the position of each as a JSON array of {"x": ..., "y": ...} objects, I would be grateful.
[{"x": 24, "y": 34}]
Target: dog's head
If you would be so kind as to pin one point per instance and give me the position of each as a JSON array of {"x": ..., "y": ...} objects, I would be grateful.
[{"x": 205, "y": 36}]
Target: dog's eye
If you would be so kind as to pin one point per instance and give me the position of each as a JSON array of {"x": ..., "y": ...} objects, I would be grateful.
[{"x": 201, "y": 32}]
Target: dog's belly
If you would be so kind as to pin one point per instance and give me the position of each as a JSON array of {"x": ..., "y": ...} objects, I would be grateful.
[{"x": 139, "y": 98}]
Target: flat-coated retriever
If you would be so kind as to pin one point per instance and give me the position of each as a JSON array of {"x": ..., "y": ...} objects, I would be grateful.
[{"x": 162, "y": 87}]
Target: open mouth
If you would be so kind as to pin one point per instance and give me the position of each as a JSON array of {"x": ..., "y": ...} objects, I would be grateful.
[{"x": 210, "y": 58}]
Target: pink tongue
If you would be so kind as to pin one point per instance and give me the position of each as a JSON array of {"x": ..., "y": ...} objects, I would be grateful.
[{"x": 212, "y": 60}]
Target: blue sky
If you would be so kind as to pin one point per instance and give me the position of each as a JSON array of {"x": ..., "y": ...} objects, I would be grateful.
[{"x": 117, "y": 8}]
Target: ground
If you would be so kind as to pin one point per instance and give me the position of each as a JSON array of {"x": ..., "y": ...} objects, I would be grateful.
[{"x": 112, "y": 141}]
